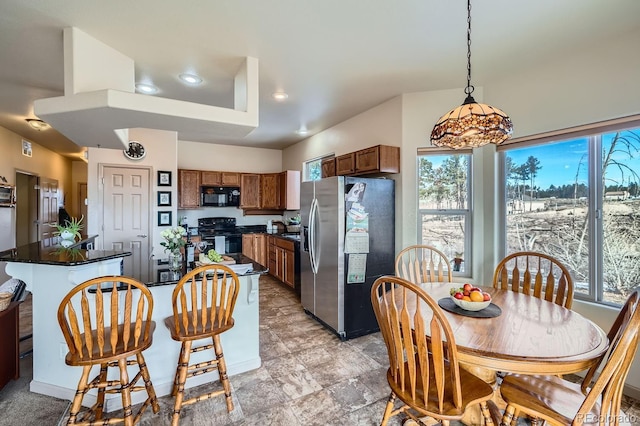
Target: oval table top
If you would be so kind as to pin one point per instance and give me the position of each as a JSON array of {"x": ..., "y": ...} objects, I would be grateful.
[{"x": 531, "y": 336}]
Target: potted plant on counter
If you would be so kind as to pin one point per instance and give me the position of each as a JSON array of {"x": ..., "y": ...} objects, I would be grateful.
[{"x": 69, "y": 231}]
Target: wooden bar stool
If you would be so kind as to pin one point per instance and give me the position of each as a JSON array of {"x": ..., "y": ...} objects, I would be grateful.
[
  {"x": 203, "y": 303},
  {"x": 86, "y": 316}
]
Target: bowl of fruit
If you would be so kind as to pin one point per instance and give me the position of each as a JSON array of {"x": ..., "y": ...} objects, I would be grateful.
[{"x": 470, "y": 298}]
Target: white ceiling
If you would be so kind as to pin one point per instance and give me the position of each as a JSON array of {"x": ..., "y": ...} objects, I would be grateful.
[{"x": 334, "y": 58}]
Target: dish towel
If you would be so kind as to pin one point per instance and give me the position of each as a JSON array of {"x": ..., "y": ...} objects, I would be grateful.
[{"x": 218, "y": 244}]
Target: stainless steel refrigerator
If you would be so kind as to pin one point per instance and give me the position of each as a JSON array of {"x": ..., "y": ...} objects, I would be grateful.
[{"x": 347, "y": 241}]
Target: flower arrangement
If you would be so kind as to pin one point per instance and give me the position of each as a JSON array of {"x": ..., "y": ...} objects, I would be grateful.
[
  {"x": 71, "y": 229},
  {"x": 173, "y": 240}
]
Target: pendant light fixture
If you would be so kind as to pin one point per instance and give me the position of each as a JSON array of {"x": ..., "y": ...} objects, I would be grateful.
[{"x": 471, "y": 124}]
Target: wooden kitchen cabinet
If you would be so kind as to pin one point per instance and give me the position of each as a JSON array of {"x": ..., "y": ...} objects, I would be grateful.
[
  {"x": 345, "y": 164},
  {"x": 377, "y": 159},
  {"x": 188, "y": 189},
  {"x": 328, "y": 167},
  {"x": 290, "y": 190},
  {"x": 214, "y": 178},
  {"x": 9, "y": 350},
  {"x": 254, "y": 246},
  {"x": 270, "y": 191},
  {"x": 209, "y": 178},
  {"x": 250, "y": 191},
  {"x": 282, "y": 257}
]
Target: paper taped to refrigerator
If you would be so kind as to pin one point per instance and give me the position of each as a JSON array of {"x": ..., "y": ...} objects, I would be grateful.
[
  {"x": 357, "y": 268},
  {"x": 356, "y": 239}
]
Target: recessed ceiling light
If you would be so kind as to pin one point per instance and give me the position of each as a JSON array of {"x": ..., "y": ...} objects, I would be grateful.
[
  {"x": 280, "y": 96},
  {"x": 146, "y": 88},
  {"x": 38, "y": 124},
  {"x": 190, "y": 78},
  {"x": 302, "y": 132}
]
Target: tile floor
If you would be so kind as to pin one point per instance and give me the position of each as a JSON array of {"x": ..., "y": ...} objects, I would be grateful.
[{"x": 308, "y": 377}]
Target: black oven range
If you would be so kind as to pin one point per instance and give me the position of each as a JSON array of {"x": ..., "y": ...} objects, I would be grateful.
[{"x": 225, "y": 229}]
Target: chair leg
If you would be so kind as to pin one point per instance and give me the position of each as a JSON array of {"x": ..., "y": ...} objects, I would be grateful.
[
  {"x": 83, "y": 384},
  {"x": 126, "y": 392},
  {"x": 101, "y": 391},
  {"x": 490, "y": 413},
  {"x": 147, "y": 382},
  {"x": 181, "y": 376},
  {"x": 222, "y": 372},
  {"x": 514, "y": 421},
  {"x": 507, "y": 417},
  {"x": 388, "y": 409}
]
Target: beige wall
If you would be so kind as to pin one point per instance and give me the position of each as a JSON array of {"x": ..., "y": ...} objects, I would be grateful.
[
  {"x": 78, "y": 175},
  {"x": 43, "y": 162}
]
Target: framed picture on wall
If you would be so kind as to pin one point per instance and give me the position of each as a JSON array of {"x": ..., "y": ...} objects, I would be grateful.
[
  {"x": 164, "y": 178},
  {"x": 164, "y": 198},
  {"x": 164, "y": 218},
  {"x": 26, "y": 148}
]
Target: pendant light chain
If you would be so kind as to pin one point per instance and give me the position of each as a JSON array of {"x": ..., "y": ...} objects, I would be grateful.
[
  {"x": 472, "y": 124},
  {"x": 469, "y": 89}
]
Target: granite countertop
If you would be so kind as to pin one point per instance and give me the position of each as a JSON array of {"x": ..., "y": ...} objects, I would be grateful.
[
  {"x": 45, "y": 254},
  {"x": 295, "y": 236},
  {"x": 162, "y": 275}
]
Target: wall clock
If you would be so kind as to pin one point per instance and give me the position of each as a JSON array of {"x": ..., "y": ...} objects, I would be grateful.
[{"x": 135, "y": 151}]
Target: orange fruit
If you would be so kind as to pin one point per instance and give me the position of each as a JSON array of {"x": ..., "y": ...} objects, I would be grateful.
[
  {"x": 476, "y": 296},
  {"x": 466, "y": 298}
]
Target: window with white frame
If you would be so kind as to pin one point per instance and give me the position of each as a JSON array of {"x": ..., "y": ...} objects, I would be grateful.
[
  {"x": 578, "y": 200},
  {"x": 444, "y": 205},
  {"x": 313, "y": 168}
]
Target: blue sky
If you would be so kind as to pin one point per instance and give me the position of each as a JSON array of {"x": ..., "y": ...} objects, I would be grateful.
[{"x": 562, "y": 161}]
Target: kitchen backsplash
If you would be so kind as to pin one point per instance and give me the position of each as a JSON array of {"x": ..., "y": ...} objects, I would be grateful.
[{"x": 193, "y": 216}]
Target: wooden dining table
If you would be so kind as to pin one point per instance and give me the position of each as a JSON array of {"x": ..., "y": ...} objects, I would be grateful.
[{"x": 530, "y": 336}]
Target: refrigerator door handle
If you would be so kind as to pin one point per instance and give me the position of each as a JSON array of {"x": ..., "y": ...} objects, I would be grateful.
[{"x": 312, "y": 235}]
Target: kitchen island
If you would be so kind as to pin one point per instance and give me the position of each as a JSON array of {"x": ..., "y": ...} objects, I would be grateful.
[{"x": 50, "y": 273}]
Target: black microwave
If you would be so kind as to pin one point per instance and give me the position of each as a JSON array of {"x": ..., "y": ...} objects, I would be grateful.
[{"x": 220, "y": 196}]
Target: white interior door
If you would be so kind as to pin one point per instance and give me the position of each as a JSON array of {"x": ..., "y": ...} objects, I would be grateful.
[
  {"x": 48, "y": 209},
  {"x": 126, "y": 211}
]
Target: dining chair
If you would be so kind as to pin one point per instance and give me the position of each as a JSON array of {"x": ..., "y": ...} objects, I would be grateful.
[
  {"x": 535, "y": 273},
  {"x": 560, "y": 402},
  {"x": 423, "y": 372},
  {"x": 421, "y": 264},
  {"x": 87, "y": 315},
  {"x": 203, "y": 303}
]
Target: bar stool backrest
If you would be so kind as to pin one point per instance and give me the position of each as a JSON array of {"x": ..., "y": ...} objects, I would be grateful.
[{"x": 87, "y": 312}]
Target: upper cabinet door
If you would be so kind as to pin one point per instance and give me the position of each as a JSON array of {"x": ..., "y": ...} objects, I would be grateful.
[
  {"x": 328, "y": 167},
  {"x": 188, "y": 189},
  {"x": 229, "y": 179},
  {"x": 250, "y": 191},
  {"x": 345, "y": 164},
  {"x": 215, "y": 178},
  {"x": 208, "y": 178},
  {"x": 270, "y": 191}
]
